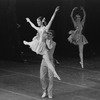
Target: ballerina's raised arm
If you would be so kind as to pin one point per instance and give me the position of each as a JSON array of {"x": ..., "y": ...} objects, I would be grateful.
[
  {"x": 32, "y": 24},
  {"x": 72, "y": 15},
  {"x": 52, "y": 18},
  {"x": 84, "y": 17}
]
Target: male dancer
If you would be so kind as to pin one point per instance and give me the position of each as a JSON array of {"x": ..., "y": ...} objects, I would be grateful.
[{"x": 47, "y": 88}]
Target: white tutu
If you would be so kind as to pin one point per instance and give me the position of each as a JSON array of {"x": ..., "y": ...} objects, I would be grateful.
[
  {"x": 36, "y": 46},
  {"x": 33, "y": 44},
  {"x": 77, "y": 38}
]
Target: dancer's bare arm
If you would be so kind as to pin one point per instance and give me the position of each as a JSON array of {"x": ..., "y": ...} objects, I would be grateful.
[
  {"x": 72, "y": 15},
  {"x": 52, "y": 18},
  {"x": 84, "y": 18},
  {"x": 35, "y": 27}
]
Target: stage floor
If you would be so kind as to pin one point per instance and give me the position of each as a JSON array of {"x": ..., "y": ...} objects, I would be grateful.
[{"x": 20, "y": 81}]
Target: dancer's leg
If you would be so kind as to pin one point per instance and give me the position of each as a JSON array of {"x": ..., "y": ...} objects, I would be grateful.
[
  {"x": 27, "y": 43},
  {"x": 43, "y": 72},
  {"x": 49, "y": 64},
  {"x": 81, "y": 54},
  {"x": 50, "y": 85}
]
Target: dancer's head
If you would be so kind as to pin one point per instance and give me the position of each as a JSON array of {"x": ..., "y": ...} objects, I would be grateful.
[
  {"x": 41, "y": 21},
  {"x": 51, "y": 34},
  {"x": 77, "y": 18}
]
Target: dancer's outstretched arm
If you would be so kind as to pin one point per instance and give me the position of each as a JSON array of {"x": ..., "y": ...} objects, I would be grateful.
[
  {"x": 84, "y": 18},
  {"x": 35, "y": 27},
  {"x": 52, "y": 18},
  {"x": 72, "y": 15}
]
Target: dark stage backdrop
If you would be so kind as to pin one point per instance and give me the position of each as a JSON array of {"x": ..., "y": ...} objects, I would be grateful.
[{"x": 14, "y": 12}]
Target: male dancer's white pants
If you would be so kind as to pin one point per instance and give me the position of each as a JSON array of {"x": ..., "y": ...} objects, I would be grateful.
[{"x": 46, "y": 86}]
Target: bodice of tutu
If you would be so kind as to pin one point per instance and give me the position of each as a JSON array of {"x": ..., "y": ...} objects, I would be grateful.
[
  {"x": 78, "y": 27},
  {"x": 77, "y": 32},
  {"x": 41, "y": 43},
  {"x": 42, "y": 33}
]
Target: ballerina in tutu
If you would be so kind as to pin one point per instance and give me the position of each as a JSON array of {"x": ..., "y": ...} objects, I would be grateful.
[
  {"x": 38, "y": 43},
  {"x": 76, "y": 37}
]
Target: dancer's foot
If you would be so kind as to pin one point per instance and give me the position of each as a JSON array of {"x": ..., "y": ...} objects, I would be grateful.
[
  {"x": 50, "y": 96},
  {"x": 44, "y": 95},
  {"x": 25, "y": 42},
  {"x": 81, "y": 64},
  {"x": 56, "y": 76}
]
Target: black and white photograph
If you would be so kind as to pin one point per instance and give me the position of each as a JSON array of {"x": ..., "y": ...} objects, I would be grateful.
[{"x": 49, "y": 50}]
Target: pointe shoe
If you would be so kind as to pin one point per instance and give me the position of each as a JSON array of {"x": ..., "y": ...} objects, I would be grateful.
[
  {"x": 81, "y": 64},
  {"x": 49, "y": 96},
  {"x": 44, "y": 95},
  {"x": 56, "y": 76},
  {"x": 26, "y": 43}
]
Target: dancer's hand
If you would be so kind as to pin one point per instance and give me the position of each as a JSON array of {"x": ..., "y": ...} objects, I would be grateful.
[
  {"x": 57, "y": 8},
  {"x": 73, "y": 12},
  {"x": 83, "y": 10},
  {"x": 27, "y": 19},
  {"x": 75, "y": 8}
]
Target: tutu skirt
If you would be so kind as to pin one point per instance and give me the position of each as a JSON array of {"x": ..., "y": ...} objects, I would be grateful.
[
  {"x": 77, "y": 39},
  {"x": 36, "y": 46}
]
